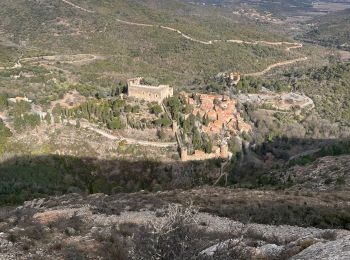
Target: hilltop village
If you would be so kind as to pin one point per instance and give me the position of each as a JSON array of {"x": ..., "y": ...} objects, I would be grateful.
[
  {"x": 214, "y": 119},
  {"x": 205, "y": 124},
  {"x": 202, "y": 125}
]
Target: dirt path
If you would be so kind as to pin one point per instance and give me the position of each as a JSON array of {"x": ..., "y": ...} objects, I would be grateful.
[
  {"x": 78, "y": 7},
  {"x": 275, "y": 65},
  {"x": 291, "y": 45},
  {"x": 70, "y": 59},
  {"x": 211, "y": 42},
  {"x": 110, "y": 136},
  {"x": 17, "y": 65}
]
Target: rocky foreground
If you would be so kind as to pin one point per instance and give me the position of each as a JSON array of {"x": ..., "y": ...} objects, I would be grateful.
[{"x": 153, "y": 226}]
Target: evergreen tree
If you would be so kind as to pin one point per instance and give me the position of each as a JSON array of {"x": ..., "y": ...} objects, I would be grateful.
[
  {"x": 197, "y": 140},
  {"x": 205, "y": 120},
  {"x": 207, "y": 145},
  {"x": 161, "y": 134},
  {"x": 48, "y": 118},
  {"x": 3, "y": 102}
]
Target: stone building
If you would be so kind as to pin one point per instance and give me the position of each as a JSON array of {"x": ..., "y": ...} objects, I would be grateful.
[
  {"x": 234, "y": 78},
  {"x": 147, "y": 92}
]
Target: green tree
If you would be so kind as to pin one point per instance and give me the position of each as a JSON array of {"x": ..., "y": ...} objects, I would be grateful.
[
  {"x": 156, "y": 109},
  {"x": 187, "y": 125},
  {"x": 4, "y": 134},
  {"x": 3, "y": 102},
  {"x": 205, "y": 120},
  {"x": 135, "y": 109},
  {"x": 18, "y": 123},
  {"x": 174, "y": 103},
  {"x": 31, "y": 120},
  {"x": 48, "y": 118},
  {"x": 197, "y": 140},
  {"x": 207, "y": 145},
  {"x": 234, "y": 145},
  {"x": 116, "y": 123},
  {"x": 4, "y": 131},
  {"x": 127, "y": 109},
  {"x": 164, "y": 121},
  {"x": 187, "y": 109},
  {"x": 161, "y": 134},
  {"x": 21, "y": 108}
]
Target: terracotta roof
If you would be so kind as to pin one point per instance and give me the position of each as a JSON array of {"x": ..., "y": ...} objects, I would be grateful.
[{"x": 212, "y": 115}]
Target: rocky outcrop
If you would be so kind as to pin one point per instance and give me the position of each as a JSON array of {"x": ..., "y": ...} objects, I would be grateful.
[
  {"x": 326, "y": 173},
  {"x": 90, "y": 226},
  {"x": 338, "y": 249}
]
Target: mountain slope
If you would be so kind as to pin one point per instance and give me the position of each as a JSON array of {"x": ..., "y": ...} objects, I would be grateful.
[
  {"x": 141, "y": 225},
  {"x": 332, "y": 30},
  {"x": 58, "y": 27}
]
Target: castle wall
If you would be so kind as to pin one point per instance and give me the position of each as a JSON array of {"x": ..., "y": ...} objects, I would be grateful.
[{"x": 148, "y": 93}]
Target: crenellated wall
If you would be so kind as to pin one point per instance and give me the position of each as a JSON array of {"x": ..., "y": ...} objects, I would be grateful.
[{"x": 147, "y": 92}]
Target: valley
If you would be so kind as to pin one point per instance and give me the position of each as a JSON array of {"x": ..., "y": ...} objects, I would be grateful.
[{"x": 174, "y": 129}]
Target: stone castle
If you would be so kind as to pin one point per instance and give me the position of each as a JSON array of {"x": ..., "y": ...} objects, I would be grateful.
[{"x": 147, "y": 92}]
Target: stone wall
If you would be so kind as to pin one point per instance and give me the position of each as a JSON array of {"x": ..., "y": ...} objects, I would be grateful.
[
  {"x": 149, "y": 93},
  {"x": 221, "y": 152}
]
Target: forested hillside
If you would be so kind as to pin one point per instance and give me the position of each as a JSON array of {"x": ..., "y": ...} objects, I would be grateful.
[
  {"x": 51, "y": 27},
  {"x": 331, "y": 30}
]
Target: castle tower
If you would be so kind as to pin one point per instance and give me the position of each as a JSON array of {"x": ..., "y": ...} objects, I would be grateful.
[
  {"x": 224, "y": 150},
  {"x": 183, "y": 154}
]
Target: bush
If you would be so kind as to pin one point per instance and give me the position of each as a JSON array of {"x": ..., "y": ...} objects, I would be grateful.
[
  {"x": 174, "y": 239},
  {"x": 156, "y": 109}
]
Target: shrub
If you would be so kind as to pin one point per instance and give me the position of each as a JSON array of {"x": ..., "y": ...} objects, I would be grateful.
[{"x": 175, "y": 238}]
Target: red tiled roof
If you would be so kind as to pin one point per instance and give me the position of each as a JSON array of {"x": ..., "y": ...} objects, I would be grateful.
[{"x": 212, "y": 115}]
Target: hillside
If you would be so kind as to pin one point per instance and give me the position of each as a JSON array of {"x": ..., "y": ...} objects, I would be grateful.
[
  {"x": 141, "y": 225},
  {"x": 128, "y": 50},
  {"x": 328, "y": 86},
  {"x": 174, "y": 129},
  {"x": 331, "y": 30},
  {"x": 327, "y": 173}
]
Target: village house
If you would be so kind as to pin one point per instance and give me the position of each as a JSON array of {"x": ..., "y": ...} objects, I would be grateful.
[{"x": 221, "y": 112}]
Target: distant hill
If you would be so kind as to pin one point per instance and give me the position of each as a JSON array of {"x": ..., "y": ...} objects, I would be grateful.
[
  {"x": 56, "y": 27},
  {"x": 331, "y": 30}
]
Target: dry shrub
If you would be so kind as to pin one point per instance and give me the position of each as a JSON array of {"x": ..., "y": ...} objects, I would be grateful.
[{"x": 175, "y": 237}]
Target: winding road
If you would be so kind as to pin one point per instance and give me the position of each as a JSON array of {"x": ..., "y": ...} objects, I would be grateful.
[
  {"x": 275, "y": 65},
  {"x": 290, "y": 45},
  {"x": 211, "y": 42}
]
